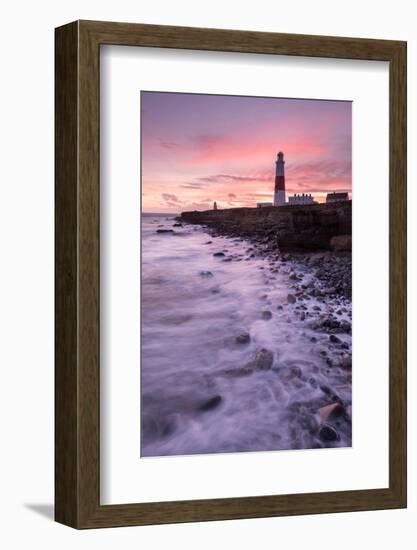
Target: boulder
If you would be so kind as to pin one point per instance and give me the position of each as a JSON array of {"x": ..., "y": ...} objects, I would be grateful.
[
  {"x": 341, "y": 243},
  {"x": 211, "y": 403},
  {"x": 328, "y": 412},
  {"x": 243, "y": 338},
  {"x": 262, "y": 361},
  {"x": 328, "y": 433},
  {"x": 291, "y": 299}
]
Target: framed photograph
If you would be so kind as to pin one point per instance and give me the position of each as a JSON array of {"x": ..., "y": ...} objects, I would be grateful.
[{"x": 230, "y": 274}]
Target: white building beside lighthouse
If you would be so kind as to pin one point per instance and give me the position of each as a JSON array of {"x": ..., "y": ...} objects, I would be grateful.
[{"x": 279, "y": 194}]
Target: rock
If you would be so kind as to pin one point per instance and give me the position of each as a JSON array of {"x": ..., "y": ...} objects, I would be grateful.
[
  {"x": 243, "y": 338},
  {"x": 345, "y": 326},
  {"x": 302, "y": 316},
  {"x": 345, "y": 361},
  {"x": 266, "y": 315},
  {"x": 218, "y": 254},
  {"x": 296, "y": 372},
  {"x": 290, "y": 373},
  {"x": 328, "y": 433},
  {"x": 263, "y": 360},
  {"x": 341, "y": 243},
  {"x": 334, "y": 339},
  {"x": 291, "y": 299},
  {"x": 238, "y": 372},
  {"x": 177, "y": 225},
  {"x": 165, "y": 231},
  {"x": 328, "y": 412},
  {"x": 206, "y": 273},
  {"x": 292, "y": 276},
  {"x": 209, "y": 242},
  {"x": 211, "y": 403},
  {"x": 229, "y": 259}
]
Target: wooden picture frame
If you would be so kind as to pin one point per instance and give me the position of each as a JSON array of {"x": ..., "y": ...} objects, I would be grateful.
[{"x": 77, "y": 405}]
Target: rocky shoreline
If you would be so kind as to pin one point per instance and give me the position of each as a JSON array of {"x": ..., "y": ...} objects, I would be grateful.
[
  {"x": 303, "y": 371},
  {"x": 319, "y": 298}
]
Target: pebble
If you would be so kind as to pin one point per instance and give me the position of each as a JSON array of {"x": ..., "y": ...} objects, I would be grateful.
[
  {"x": 211, "y": 403},
  {"x": 243, "y": 338},
  {"x": 291, "y": 299}
]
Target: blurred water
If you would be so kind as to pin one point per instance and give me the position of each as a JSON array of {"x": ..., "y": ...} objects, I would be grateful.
[{"x": 194, "y": 305}]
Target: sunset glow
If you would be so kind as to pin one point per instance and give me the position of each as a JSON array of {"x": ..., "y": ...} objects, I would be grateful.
[{"x": 197, "y": 149}]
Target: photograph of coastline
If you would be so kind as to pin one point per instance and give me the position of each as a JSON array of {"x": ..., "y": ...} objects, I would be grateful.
[{"x": 246, "y": 274}]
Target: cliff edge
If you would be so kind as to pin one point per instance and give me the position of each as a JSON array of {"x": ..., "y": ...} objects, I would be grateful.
[{"x": 289, "y": 228}]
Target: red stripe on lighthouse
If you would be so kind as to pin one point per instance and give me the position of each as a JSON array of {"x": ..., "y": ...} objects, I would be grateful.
[{"x": 279, "y": 183}]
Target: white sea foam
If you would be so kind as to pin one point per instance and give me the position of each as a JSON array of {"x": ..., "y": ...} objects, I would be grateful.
[{"x": 194, "y": 305}]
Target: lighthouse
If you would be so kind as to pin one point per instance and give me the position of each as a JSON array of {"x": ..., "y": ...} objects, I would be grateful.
[{"x": 279, "y": 194}]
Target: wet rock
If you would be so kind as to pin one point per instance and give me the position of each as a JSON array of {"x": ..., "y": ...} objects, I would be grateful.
[
  {"x": 334, "y": 339},
  {"x": 302, "y": 316},
  {"x": 328, "y": 433},
  {"x": 243, "y": 338},
  {"x": 155, "y": 427},
  {"x": 238, "y": 372},
  {"x": 292, "y": 276},
  {"x": 218, "y": 254},
  {"x": 209, "y": 242},
  {"x": 326, "y": 389},
  {"x": 211, "y": 403},
  {"x": 331, "y": 411},
  {"x": 262, "y": 361},
  {"x": 165, "y": 231},
  {"x": 345, "y": 361},
  {"x": 206, "y": 273},
  {"x": 341, "y": 243},
  {"x": 266, "y": 315},
  {"x": 290, "y": 373},
  {"x": 291, "y": 299},
  {"x": 177, "y": 225},
  {"x": 345, "y": 326}
]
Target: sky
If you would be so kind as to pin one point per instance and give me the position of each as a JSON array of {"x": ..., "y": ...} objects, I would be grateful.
[{"x": 197, "y": 149}]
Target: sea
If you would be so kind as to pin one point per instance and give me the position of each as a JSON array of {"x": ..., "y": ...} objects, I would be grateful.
[{"x": 211, "y": 308}]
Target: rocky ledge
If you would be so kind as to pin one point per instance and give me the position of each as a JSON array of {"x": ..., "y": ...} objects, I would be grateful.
[{"x": 314, "y": 227}]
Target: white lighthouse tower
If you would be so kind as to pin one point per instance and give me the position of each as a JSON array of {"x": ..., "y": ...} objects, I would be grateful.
[{"x": 279, "y": 194}]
